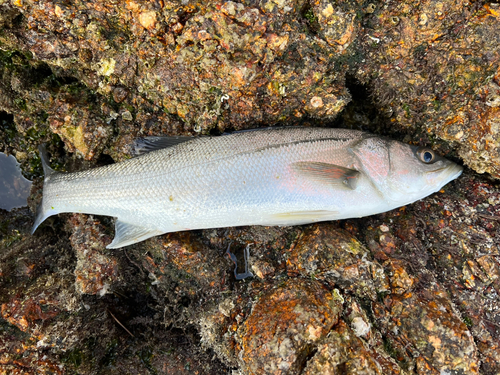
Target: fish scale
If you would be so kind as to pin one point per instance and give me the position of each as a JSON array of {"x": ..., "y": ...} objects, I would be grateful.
[{"x": 284, "y": 176}]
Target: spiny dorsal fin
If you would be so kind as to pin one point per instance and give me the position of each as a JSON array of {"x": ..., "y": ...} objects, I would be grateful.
[
  {"x": 147, "y": 144},
  {"x": 327, "y": 173}
]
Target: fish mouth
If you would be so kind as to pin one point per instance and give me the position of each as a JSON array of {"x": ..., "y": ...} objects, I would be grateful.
[{"x": 442, "y": 176}]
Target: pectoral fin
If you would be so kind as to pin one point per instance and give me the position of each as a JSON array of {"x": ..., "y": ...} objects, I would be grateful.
[
  {"x": 128, "y": 234},
  {"x": 328, "y": 173}
]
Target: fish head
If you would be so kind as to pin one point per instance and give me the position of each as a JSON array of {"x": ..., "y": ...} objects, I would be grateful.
[
  {"x": 416, "y": 172},
  {"x": 404, "y": 173}
]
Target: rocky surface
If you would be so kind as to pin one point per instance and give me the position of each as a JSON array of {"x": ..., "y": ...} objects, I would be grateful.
[{"x": 412, "y": 291}]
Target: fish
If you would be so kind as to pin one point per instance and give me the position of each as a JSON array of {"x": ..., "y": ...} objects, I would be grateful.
[{"x": 271, "y": 177}]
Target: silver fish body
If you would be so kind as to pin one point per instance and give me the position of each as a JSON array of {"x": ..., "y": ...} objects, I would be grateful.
[{"x": 284, "y": 176}]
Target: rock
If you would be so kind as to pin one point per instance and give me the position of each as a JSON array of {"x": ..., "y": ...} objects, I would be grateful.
[
  {"x": 344, "y": 352},
  {"x": 96, "y": 271},
  {"x": 427, "y": 324},
  {"x": 417, "y": 62},
  {"x": 328, "y": 253},
  {"x": 284, "y": 325}
]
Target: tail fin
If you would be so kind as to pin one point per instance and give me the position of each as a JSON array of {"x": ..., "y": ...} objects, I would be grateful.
[
  {"x": 40, "y": 217},
  {"x": 41, "y": 213},
  {"x": 42, "y": 149}
]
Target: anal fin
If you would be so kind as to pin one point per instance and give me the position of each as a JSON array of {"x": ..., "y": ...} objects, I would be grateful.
[
  {"x": 301, "y": 217},
  {"x": 327, "y": 173},
  {"x": 128, "y": 234}
]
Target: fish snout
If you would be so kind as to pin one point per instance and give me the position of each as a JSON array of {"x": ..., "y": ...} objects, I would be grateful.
[{"x": 442, "y": 176}]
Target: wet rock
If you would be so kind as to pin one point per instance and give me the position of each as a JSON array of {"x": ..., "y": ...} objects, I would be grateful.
[
  {"x": 23, "y": 314},
  {"x": 231, "y": 53},
  {"x": 234, "y": 65},
  {"x": 283, "y": 324},
  {"x": 337, "y": 24},
  {"x": 344, "y": 352},
  {"x": 80, "y": 130},
  {"x": 51, "y": 320},
  {"x": 428, "y": 325},
  {"x": 419, "y": 67},
  {"x": 326, "y": 252},
  {"x": 96, "y": 269},
  {"x": 184, "y": 253},
  {"x": 401, "y": 303},
  {"x": 436, "y": 286}
]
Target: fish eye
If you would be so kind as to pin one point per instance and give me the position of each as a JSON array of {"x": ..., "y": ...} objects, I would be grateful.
[{"x": 426, "y": 155}]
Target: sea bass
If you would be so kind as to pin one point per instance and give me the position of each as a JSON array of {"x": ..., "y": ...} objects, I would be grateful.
[{"x": 280, "y": 176}]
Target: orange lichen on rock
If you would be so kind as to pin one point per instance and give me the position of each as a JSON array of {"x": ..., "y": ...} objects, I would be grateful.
[
  {"x": 337, "y": 25},
  {"x": 428, "y": 322},
  {"x": 425, "y": 77},
  {"x": 283, "y": 323},
  {"x": 25, "y": 313},
  {"x": 96, "y": 270},
  {"x": 401, "y": 282},
  {"x": 344, "y": 352},
  {"x": 329, "y": 253}
]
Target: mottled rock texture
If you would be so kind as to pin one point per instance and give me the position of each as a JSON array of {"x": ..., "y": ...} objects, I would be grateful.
[{"x": 413, "y": 291}]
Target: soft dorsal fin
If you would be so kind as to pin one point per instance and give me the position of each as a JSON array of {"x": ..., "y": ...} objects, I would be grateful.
[
  {"x": 147, "y": 144},
  {"x": 128, "y": 234},
  {"x": 327, "y": 173}
]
